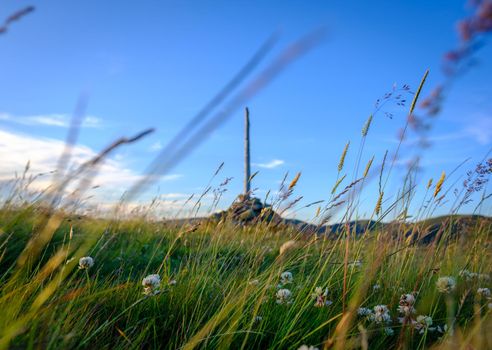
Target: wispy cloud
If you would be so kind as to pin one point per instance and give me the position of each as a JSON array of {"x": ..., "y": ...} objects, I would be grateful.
[
  {"x": 156, "y": 146},
  {"x": 171, "y": 177},
  {"x": 481, "y": 130},
  {"x": 270, "y": 165},
  {"x": 56, "y": 120},
  {"x": 17, "y": 149},
  {"x": 478, "y": 130},
  {"x": 174, "y": 195}
]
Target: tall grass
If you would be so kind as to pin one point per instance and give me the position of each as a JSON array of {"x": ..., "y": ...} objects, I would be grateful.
[{"x": 228, "y": 276}]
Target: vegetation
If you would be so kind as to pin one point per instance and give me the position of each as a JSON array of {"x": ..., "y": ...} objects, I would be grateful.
[
  {"x": 400, "y": 278},
  {"x": 220, "y": 287}
]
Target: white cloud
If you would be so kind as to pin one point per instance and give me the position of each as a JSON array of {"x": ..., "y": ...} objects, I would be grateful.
[
  {"x": 171, "y": 177},
  {"x": 174, "y": 195},
  {"x": 480, "y": 130},
  {"x": 157, "y": 146},
  {"x": 16, "y": 150},
  {"x": 270, "y": 165},
  {"x": 56, "y": 120}
]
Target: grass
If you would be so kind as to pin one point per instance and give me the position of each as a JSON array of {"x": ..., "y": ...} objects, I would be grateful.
[{"x": 227, "y": 276}]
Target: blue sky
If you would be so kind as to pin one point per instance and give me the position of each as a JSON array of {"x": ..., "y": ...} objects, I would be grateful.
[{"x": 156, "y": 63}]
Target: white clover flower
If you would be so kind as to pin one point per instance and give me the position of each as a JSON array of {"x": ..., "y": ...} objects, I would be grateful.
[
  {"x": 86, "y": 262},
  {"x": 407, "y": 299},
  {"x": 318, "y": 291},
  {"x": 376, "y": 287},
  {"x": 484, "y": 292},
  {"x": 423, "y": 324},
  {"x": 305, "y": 347},
  {"x": 151, "y": 284},
  {"x": 364, "y": 311},
  {"x": 381, "y": 314},
  {"x": 425, "y": 320},
  {"x": 446, "y": 284},
  {"x": 284, "y": 296},
  {"x": 286, "y": 278},
  {"x": 472, "y": 276},
  {"x": 389, "y": 331},
  {"x": 406, "y": 303},
  {"x": 406, "y": 311},
  {"x": 484, "y": 277},
  {"x": 380, "y": 309},
  {"x": 444, "y": 329},
  {"x": 467, "y": 275},
  {"x": 321, "y": 297}
]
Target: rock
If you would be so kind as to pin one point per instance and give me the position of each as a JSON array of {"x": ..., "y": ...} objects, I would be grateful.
[{"x": 246, "y": 210}]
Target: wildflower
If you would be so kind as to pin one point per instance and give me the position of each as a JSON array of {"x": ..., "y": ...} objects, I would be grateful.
[
  {"x": 467, "y": 275},
  {"x": 381, "y": 314},
  {"x": 423, "y": 324},
  {"x": 364, "y": 311},
  {"x": 484, "y": 277},
  {"x": 376, "y": 287},
  {"x": 321, "y": 297},
  {"x": 471, "y": 276},
  {"x": 284, "y": 296},
  {"x": 445, "y": 329},
  {"x": 172, "y": 282},
  {"x": 483, "y": 293},
  {"x": 151, "y": 284},
  {"x": 406, "y": 305},
  {"x": 389, "y": 331},
  {"x": 286, "y": 278},
  {"x": 305, "y": 347},
  {"x": 86, "y": 262},
  {"x": 446, "y": 284}
]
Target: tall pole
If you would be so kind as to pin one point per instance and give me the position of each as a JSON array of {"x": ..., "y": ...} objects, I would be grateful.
[{"x": 247, "y": 168}]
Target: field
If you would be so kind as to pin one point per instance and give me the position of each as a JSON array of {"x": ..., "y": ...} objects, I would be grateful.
[
  {"x": 388, "y": 259},
  {"x": 227, "y": 285}
]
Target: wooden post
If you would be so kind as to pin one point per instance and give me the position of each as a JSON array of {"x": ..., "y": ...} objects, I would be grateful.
[{"x": 247, "y": 168}]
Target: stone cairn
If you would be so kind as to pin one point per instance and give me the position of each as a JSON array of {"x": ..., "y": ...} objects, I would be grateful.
[{"x": 246, "y": 209}]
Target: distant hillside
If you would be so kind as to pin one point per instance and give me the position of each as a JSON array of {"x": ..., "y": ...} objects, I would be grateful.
[{"x": 424, "y": 231}]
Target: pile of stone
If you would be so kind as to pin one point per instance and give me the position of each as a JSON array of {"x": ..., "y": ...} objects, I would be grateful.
[{"x": 249, "y": 210}]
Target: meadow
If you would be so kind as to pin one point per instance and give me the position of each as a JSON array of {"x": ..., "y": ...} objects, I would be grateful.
[
  {"x": 401, "y": 277},
  {"x": 223, "y": 285}
]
